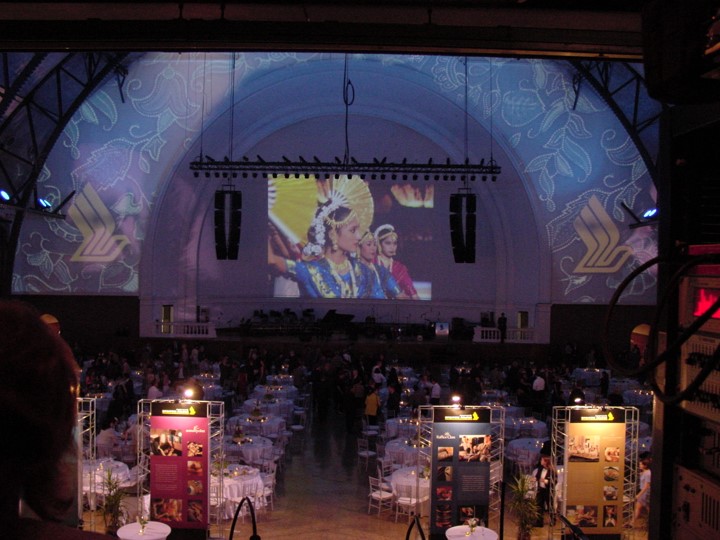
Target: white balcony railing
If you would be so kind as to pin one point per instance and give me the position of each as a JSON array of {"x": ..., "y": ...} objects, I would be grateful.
[
  {"x": 185, "y": 329},
  {"x": 492, "y": 335}
]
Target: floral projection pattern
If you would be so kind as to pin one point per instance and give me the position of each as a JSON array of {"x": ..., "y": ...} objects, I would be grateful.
[{"x": 565, "y": 147}]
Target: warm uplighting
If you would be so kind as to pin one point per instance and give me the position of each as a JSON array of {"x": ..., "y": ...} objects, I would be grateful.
[
  {"x": 456, "y": 401},
  {"x": 189, "y": 393}
]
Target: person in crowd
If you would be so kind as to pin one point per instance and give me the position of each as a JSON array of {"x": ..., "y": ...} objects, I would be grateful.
[
  {"x": 372, "y": 405},
  {"x": 435, "y": 391},
  {"x": 154, "y": 391},
  {"x": 387, "y": 242},
  {"x": 35, "y": 476},
  {"x": 502, "y": 327},
  {"x": 108, "y": 437},
  {"x": 538, "y": 392},
  {"x": 392, "y": 404},
  {"x": 642, "y": 499},
  {"x": 544, "y": 474},
  {"x": 604, "y": 384}
]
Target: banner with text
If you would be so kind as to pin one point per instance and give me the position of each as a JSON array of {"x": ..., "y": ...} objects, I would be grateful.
[
  {"x": 179, "y": 446},
  {"x": 595, "y": 470},
  {"x": 460, "y": 470}
]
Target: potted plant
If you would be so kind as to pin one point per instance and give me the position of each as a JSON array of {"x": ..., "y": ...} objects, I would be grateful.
[
  {"x": 523, "y": 505},
  {"x": 114, "y": 512}
]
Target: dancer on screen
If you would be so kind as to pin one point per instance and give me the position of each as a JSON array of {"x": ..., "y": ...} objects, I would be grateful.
[
  {"x": 387, "y": 241},
  {"x": 367, "y": 255},
  {"x": 326, "y": 269}
]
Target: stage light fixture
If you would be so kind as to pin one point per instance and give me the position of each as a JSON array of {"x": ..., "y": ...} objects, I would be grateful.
[{"x": 4, "y": 195}]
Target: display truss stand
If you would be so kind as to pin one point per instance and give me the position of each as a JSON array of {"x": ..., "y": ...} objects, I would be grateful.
[
  {"x": 426, "y": 420},
  {"x": 85, "y": 440},
  {"x": 559, "y": 444},
  {"x": 216, "y": 424}
]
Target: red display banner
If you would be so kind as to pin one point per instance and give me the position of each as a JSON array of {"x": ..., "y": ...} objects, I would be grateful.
[{"x": 179, "y": 464}]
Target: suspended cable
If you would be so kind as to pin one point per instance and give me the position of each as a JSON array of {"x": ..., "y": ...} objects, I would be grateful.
[
  {"x": 232, "y": 105},
  {"x": 202, "y": 107},
  {"x": 348, "y": 99}
]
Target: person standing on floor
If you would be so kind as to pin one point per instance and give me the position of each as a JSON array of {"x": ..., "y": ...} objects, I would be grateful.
[
  {"x": 642, "y": 500},
  {"x": 372, "y": 406}
]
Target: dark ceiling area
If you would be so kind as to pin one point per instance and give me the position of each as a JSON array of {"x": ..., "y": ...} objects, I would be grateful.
[{"x": 575, "y": 28}]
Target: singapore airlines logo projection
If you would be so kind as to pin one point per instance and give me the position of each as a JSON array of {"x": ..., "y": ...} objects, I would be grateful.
[
  {"x": 328, "y": 240},
  {"x": 100, "y": 244},
  {"x": 601, "y": 237}
]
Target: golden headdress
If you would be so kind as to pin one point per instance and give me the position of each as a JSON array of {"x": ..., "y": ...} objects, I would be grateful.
[
  {"x": 383, "y": 231},
  {"x": 348, "y": 192}
]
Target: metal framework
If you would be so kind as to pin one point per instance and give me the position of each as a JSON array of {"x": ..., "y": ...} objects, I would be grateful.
[
  {"x": 216, "y": 425},
  {"x": 86, "y": 430},
  {"x": 426, "y": 420},
  {"x": 41, "y": 93},
  {"x": 612, "y": 80},
  {"x": 561, "y": 420},
  {"x": 378, "y": 169}
]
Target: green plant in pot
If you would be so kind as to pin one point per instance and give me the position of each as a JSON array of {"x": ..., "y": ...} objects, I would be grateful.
[
  {"x": 114, "y": 512},
  {"x": 523, "y": 505}
]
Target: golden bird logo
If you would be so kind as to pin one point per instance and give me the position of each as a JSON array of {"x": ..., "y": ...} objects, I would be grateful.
[
  {"x": 96, "y": 224},
  {"x": 601, "y": 237}
]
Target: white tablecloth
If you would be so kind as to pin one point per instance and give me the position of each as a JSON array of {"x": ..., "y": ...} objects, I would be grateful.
[
  {"x": 401, "y": 453},
  {"x": 408, "y": 477},
  {"x": 494, "y": 395},
  {"x": 588, "y": 376},
  {"x": 524, "y": 452},
  {"x": 462, "y": 531},
  {"x": 272, "y": 425},
  {"x": 525, "y": 427},
  {"x": 248, "y": 451},
  {"x": 247, "y": 483},
  {"x": 283, "y": 380},
  {"x": 638, "y": 398},
  {"x": 278, "y": 407},
  {"x": 154, "y": 530},
  {"x": 400, "y": 427},
  {"x": 213, "y": 392},
  {"x": 284, "y": 391}
]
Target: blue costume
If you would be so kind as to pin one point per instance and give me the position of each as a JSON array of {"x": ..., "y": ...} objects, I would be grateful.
[{"x": 317, "y": 279}]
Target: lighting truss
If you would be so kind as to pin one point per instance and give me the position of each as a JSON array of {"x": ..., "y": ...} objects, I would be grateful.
[{"x": 375, "y": 170}]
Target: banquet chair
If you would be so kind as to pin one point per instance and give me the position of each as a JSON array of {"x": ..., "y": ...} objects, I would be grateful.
[
  {"x": 364, "y": 453},
  {"x": 396, "y": 456},
  {"x": 385, "y": 470},
  {"x": 406, "y": 501},
  {"x": 378, "y": 497},
  {"x": 269, "y": 482}
]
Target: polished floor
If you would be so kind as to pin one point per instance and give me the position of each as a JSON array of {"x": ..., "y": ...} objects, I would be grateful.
[{"x": 322, "y": 495}]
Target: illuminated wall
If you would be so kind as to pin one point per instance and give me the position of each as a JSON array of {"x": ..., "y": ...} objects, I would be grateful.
[{"x": 550, "y": 230}]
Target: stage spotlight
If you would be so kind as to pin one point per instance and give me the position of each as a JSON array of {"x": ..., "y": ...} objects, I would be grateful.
[{"x": 4, "y": 195}]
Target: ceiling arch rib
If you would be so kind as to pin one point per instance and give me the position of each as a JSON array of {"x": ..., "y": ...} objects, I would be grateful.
[
  {"x": 611, "y": 80},
  {"x": 31, "y": 128}
]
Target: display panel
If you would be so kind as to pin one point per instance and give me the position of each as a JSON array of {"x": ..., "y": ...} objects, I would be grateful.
[{"x": 343, "y": 237}]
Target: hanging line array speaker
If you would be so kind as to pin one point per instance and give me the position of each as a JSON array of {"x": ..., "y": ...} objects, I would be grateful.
[
  {"x": 462, "y": 226},
  {"x": 228, "y": 210}
]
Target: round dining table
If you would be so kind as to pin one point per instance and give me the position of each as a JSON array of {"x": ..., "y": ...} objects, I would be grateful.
[
  {"x": 239, "y": 482},
  {"x": 401, "y": 452},
  {"x": 154, "y": 530},
  {"x": 463, "y": 531},
  {"x": 411, "y": 477},
  {"x": 400, "y": 427},
  {"x": 249, "y": 450},
  {"x": 277, "y": 406},
  {"x": 285, "y": 391},
  {"x": 524, "y": 452},
  {"x": 266, "y": 425}
]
